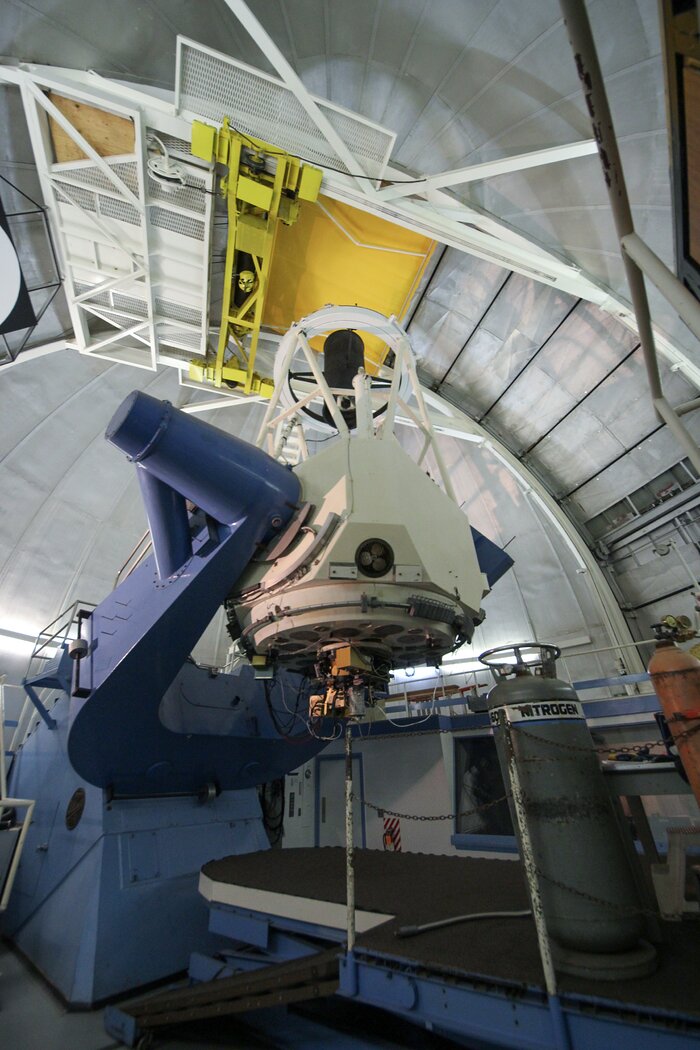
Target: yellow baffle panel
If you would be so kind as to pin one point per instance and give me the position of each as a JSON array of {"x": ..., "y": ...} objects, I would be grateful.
[{"x": 335, "y": 253}]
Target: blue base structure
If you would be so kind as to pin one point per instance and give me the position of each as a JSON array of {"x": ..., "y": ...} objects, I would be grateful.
[
  {"x": 146, "y": 765},
  {"x": 112, "y": 904},
  {"x": 485, "y": 1018}
]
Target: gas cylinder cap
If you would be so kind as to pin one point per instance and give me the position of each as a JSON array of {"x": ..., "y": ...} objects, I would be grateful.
[
  {"x": 525, "y": 658},
  {"x": 674, "y": 629}
]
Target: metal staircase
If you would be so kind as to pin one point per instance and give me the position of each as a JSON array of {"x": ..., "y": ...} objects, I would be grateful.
[
  {"x": 12, "y": 832},
  {"x": 49, "y": 669},
  {"x": 297, "y": 981}
]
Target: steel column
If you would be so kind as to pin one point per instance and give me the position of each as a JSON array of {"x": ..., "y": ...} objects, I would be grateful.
[
  {"x": 583, "y": 46},
  {"x": 668, "y": 284},
  {"x": 349, "y": 841}
]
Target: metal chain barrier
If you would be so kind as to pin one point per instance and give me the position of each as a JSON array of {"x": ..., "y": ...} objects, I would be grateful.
[
  {"x": 687, "y": 733},
  {"x": 634, "y": 749},
  {"x": 623, "y": 909},
  {"x": 382, "y": 811},
  {"x": 603, "y": 750}
]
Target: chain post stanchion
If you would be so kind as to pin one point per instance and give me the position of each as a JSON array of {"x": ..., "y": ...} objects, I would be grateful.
[
  {"x": 562, "y": 1039},
  {"x": 349, "y": 843}
]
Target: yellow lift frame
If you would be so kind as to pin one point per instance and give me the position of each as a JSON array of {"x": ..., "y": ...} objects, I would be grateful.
[{"x": 257, "y": 199}]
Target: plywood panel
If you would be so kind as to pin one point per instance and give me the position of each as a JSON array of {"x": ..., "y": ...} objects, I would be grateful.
[
  {"x": 107, "y": 133},
  {"x": 691, "y": 102}
]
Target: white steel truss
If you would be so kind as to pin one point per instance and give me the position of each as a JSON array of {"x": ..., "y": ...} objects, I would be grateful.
[
  {"x": 159, "y": 262},
  {"x": 490, "y": 168},
  {"x": 135, "y": 255}
]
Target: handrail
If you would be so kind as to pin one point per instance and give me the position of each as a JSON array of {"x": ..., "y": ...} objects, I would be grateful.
[
  {"x": 55, "y": 635},
  {"x": 3, "y": 772},
  {"x": 6, "y": 803},
  {"x": 118, "y": 578}
]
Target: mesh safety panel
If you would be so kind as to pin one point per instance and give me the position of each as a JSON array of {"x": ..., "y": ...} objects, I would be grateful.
[
  {"x": 174, "y": 145},
  {"x": 69, "y": 193},
  {"x": 172, "y": 334},
  {"x": 191, "y": 197},
  {"x": 176, "y": 223},
  {"x": 216, "y": 86},
  {"x": 177, "y": 312},
  {"x": 101, "y": 299},
  {"x": 120, "y": 210},
  {"x": 91, "y": 175},
  {"x": 129, "y": 304}
]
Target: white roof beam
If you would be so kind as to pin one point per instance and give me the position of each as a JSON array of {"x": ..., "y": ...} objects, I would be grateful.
[
  {"x": 293, "y": 82},
  {"x": 439, "y": 217},
  {"x": 489, "y": 169}
]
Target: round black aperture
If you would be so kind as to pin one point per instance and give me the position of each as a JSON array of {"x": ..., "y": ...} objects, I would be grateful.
[
  {"x": 374, "y": 558},
  {"x": 74, "y": 809}
]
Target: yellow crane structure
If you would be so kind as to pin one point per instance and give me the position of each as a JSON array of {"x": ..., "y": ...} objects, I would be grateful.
[{"x": 263, "y": 186}]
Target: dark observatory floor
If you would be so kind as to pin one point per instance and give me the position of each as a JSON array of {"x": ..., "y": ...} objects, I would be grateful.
[{"x": 419, "y": 888}]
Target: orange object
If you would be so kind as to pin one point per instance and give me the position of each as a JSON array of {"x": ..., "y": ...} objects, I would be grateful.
[{"x": 675, "y": 675}]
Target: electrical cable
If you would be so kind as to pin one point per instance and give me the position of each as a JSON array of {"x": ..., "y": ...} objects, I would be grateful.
[
  {"x": 430, "y": 714},
  {"x": 202, "y": 189},
  {"x": 328, "y": 167},
  {"x": 316, "y": 164},
  {"x": 283, "y": 731},
  {"x": 271, "y": 795},
  {"x": 411, "y": 931},
  {"x": 295, "y": 714}
]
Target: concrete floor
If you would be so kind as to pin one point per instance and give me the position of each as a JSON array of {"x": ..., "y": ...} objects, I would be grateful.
[{"x": 32, "y": 1017}]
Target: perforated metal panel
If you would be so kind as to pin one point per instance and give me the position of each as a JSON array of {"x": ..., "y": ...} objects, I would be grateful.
[
  {"x": 92, "y": 176},
  {"x": 174, "y": 145},
  {"x": 110, "y": 206},
  {"x": 190, "y": 197},
  {"x": 173, "y": 335},
  {"x": 116, "y": 209},
  {"x": 130, "y": 304},
  {"x": 176, "y": 223},
  {"x": 83, "y": 198},
  {"x": 216, "y": 86},
  {"x": 101, "y": 299},
  {"x": 177, "y": 312}
]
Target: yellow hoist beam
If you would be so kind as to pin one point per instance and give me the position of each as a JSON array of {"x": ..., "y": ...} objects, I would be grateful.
[{"x": 263, "y": 186}]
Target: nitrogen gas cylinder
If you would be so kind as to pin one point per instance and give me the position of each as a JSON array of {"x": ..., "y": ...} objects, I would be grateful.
[
  {"x": 675, "y": 675},
  {"x": 586, "y": 884}
]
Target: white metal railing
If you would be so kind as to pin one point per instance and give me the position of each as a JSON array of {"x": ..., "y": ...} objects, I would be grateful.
[
  {"x": 11, "y": 803},
  {"x": 139, "y": 552},
  {"x": 48, "y": 643}
]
